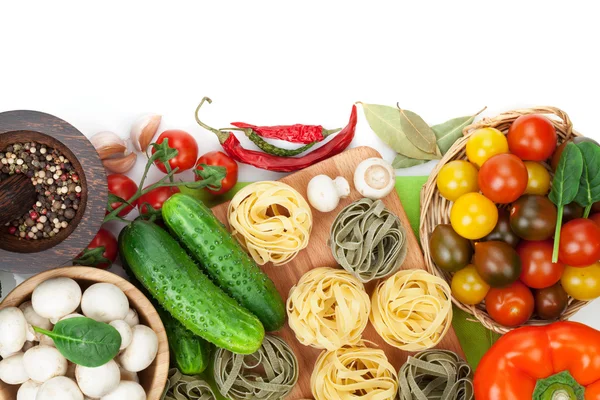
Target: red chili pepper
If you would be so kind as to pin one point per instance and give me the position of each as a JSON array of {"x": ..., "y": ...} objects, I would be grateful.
[
  {"x": 233, "y": 147},
  {"x": 297, "y": 133}
]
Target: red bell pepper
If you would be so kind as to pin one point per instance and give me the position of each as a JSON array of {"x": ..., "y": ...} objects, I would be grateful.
[{"x": 560, "y": 361}]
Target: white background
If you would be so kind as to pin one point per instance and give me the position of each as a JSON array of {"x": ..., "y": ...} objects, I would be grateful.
[{"x": 100, "y": 66}]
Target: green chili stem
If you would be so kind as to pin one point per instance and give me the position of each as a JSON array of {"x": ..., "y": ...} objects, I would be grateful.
[
  {"x": 587, "y": 211},
  {"x": 222, "y": 136},
  {"x": 559, "y": 217},
  {"x": 327, "y": 132}
]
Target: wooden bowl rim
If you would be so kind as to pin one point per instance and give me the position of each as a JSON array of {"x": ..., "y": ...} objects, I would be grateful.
[
  {"x": 61, "y": 254},
  {"x": 159, "y": 379}
]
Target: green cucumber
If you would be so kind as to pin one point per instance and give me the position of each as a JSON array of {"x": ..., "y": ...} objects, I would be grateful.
[
  {"x": 176, "y": 282},
  {"x": 189, "y": 352},
  {"x": 223, "y": 259}
]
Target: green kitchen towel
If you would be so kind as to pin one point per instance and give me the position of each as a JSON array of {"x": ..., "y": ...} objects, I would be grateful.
[{"x": 474, "y": 338}]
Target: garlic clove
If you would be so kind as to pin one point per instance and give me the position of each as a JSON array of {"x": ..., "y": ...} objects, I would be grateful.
[
  {"x": 143, "y": 130},
  {"x": 108, "y": 144},
  {"x": 120, "y": 165}
]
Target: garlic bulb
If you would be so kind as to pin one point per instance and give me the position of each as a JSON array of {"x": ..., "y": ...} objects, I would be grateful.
[
  {"x": 108, "y": 144},
  {"x": 120, "y": 165},
  {"x": 143, "y": 130}
]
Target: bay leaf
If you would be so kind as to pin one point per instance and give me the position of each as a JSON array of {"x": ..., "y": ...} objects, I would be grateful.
[
  {"x": 450, "y": 131},
  {"x": 417, "y": 131},
  {"x": 385, "y": 122},
  {"x": 402, "y": 161}
]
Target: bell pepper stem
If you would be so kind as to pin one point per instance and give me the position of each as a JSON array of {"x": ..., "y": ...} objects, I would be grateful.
[{"x": 561, "y": 386}]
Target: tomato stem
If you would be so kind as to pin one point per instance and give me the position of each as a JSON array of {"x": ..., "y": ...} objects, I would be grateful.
[{"x": 559, "y": 217}]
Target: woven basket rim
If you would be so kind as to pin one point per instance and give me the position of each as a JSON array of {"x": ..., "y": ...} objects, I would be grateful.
[{"x": 435, "y": 209}]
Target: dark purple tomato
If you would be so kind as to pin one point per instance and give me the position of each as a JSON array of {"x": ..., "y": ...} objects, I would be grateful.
[
  {"x": 572, "y": 211},
  {"x": 533, "y": 217},
  {"x": 502, "y": 231},
  {"x": 449, "y": 250},
  {"x": 497, "y": 263},
  {"x": 550, "y": 302}
]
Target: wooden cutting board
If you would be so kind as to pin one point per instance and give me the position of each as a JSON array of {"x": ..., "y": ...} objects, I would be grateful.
[{"x": 318, "y": 254}]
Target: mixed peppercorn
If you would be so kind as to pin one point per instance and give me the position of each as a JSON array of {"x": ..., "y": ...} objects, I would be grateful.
[{"x": 57, "y": 185}]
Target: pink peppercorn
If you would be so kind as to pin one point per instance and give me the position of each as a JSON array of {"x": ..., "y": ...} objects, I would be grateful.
[
  {"x": 12, "y": 230},
  {"x": 34, "y": 215}
]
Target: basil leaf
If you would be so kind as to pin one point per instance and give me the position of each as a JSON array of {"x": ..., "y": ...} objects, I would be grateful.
[
  {"x": 385, "y": 122},
  {"x": 84, "y": 341},
  {"x": 589, "y": 184},
  {"x": 405, "y": 162},
  {"x": 450, "y": 131},
  {"x": 417, "y": 131},
  {"x": 565, "y": 186}
]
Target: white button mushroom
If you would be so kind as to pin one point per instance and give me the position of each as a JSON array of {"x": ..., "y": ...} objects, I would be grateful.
[
  {"x": 56, "y": 297},
  {"x": 324, "y": 193},
  {"x": 12, "y": 370},
  {"x": 73, "y": 315},
  {"x": 33, "y": 318},
  {"x": 128, "y": 375},
  {"x": 14, "y": 331},
  {"x": 47, "y": 341},
  {"x": 126, "y": 390},
  {"x": 99, "y": 381},
  {"x": 104, "y": 302},
  {"x": 374, "y": 178},
  {"x": 124, "y": 330},
  {"x": 59, "y": 388},
  {"x": 70, "y": 370},
  {"x": 44, "y": 362},
  {"x": 28, "y": 390},
  {"x": 28, "y": 345},
  {"x": 142, "y": 350},
  {"x": 132, "y": 318}
]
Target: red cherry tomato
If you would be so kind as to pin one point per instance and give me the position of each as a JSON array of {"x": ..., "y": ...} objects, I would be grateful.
[
  {"x": 503, "y": 178},
  {"x": 156, "y": 198},
  {"x": 186, "y": 146},
  {"x": 532, "y": 138},
  {"x": 107, "y": 240},
  {"x": 123, "y": 187},
  {"x": 537, "y": 269},
  {"x": 510, "y": 306},
  {"x": 579, "y": 243},
  {"x": 221, "y": 159}
]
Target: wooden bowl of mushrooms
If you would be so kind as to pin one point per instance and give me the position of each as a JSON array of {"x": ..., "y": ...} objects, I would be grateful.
[
  {"x": 53, "y": 192},
  {"x": 116, "y": 343}
]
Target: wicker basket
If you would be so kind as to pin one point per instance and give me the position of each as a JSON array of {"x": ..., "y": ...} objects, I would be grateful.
[{"x": 435, "y": 209}]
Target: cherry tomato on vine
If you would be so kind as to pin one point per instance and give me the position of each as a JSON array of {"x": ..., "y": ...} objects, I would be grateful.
[
  {"x": 532, "y": 137},
  {"x": 457, "y": 178},
  {"x": 510, "y": 306},
  {"x": 221, "y": 159},
  {"x": 537, "y": 269},
  {"x": 107, "y": 240},
  {"x": 123, "y": 187},
  {"x": 538, "y": 178},
  {"x": 186, "y": 146},
  {"x": 503, "y": 178},
  {"x": 582, "y": 283},
  {"x": 485, "y": 143},
  {"x": 551, "y": 302},
  {"x": 156, "y": 198},
  {"x": 468, "y": 287},
  {"x": 473, "y": 216},
  {"x": 579, "y": 243}
]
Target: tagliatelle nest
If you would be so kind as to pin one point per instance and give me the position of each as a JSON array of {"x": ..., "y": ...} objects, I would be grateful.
[
  {"x": 328, "y": 308},
  {"x": 412, "y": 310},
  {"x": 435, "y": 209},
  {"x": 271, "y": 220},
  {"x": 353, "y": 372}
]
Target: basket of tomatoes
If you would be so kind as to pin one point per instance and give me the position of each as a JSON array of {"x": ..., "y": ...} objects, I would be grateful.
[{"x": 508, "y": 219}]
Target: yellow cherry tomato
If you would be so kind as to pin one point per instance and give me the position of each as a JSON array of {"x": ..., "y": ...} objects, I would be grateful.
[
  {"x": 468, "y": 287},
  {"x": 582, "y": 283},
  {"x": 457, "y": 178},
  {"x": 538, "y": 181},
  {"x": 473, "y": 216},
  {"x": 484, "y": 143}
]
